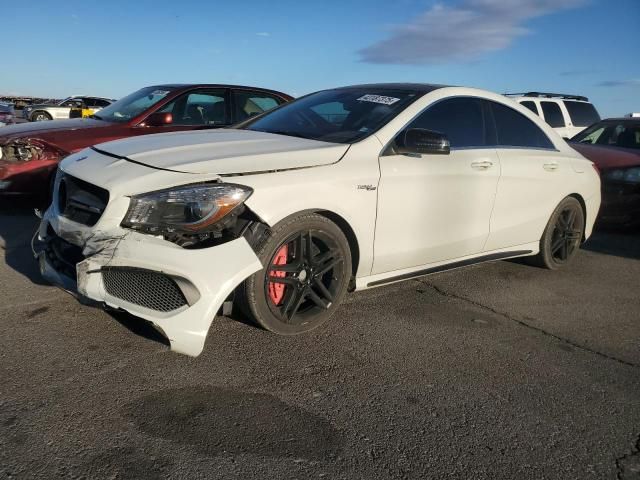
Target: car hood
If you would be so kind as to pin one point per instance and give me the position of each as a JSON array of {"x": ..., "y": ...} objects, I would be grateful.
[
  {"x": 33, "y": 128},
  {"x": 607, "y": 158},
  {"x": 224, "y": 152}
]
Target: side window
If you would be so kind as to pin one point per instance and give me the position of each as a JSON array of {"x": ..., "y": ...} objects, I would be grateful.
[
  {"x": 552, "y": 114},
  {"x": 531, "y": 106},
  {"x": 100, "y": 103},
  {"x": 202, "y": 107},
  {"x": 249, "y": 104},
  {"x": 515, "y": 130},
  {"x": 70, "y": 103},
  {"x": 582, "y": 114},
  {"x": 593, "y": 136},
  {"x": 460, "y": 119}
]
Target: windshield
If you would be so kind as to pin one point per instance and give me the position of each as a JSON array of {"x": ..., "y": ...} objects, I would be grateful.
[
  {"x": 133, "y": 105},
  {"x": 341, "y": 116},
  {"x": 62, "y": 101},
  {"x": 612, "y": 134}
]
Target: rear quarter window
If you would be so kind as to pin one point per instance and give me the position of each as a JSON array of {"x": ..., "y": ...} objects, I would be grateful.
[
  {"x": 582, "y": 114},
  {"x": 552, "y": 114},
  {"x": 531, "y": 106},
  {"x": 513, "y": 129}
]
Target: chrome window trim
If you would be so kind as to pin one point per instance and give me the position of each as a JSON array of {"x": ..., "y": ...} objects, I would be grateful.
[{"x": 478, "y": 147}]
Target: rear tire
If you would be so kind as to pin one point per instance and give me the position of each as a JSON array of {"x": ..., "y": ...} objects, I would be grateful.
[
  {"x": 307, "y": 269},
  {"x": 562, "y": 236},
  {"x": 39, "y": 116}
]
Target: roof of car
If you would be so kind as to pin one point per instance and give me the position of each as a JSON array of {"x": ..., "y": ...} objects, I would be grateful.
[
  {"x": 621, "y": 119},
  {"x": 217, "y": 85},
  {"x": 548, "y": 96},
  {"x": 414, "y": 87}
]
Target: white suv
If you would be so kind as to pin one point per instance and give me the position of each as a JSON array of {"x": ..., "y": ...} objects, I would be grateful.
[{"x": 566, "y": 114}]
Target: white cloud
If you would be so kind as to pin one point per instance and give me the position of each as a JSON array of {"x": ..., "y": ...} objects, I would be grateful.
[
  {"x": 461, "y": 32},
  {"x": 263, "y": 34}
]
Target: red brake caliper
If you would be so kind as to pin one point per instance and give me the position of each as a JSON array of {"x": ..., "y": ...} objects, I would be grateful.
[{"x": 276, "y": 290}]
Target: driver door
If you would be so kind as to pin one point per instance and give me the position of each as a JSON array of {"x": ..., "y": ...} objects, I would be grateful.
[
  {"x": 195, "y": 110},
  {"x": 433, "y": 208}
]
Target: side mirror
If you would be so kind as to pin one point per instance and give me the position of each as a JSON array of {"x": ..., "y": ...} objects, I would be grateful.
[
  {"x": 420, "y": 140},
  {"x": 158, "y": 119}
]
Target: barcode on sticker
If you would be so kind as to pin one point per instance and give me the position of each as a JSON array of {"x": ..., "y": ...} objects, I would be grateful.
[{"x": 379, "y": 99}]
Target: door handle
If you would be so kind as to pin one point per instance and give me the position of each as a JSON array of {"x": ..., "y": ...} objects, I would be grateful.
[
  {"x": 482, "y": 164},
  {"x": 550, "y": 167}
]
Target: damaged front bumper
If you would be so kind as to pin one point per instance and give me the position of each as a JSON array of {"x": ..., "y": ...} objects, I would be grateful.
[{"x": 176, "y": 289}]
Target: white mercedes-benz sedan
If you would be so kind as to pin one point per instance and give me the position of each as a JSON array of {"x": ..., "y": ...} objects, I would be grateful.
[{"x": 340, "y": 190}]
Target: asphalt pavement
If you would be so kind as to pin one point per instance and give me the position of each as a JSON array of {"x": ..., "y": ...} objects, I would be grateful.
[{"x": 501, "y": 370}]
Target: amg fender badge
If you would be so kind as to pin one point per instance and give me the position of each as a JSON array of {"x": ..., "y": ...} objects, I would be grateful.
[{"x": 367, "y": 187}]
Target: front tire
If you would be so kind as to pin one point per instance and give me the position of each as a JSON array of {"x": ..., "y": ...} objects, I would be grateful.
[
  {"x": 39, "y": 116},
  {"x": 562, "y": 236},
  {"x": 307, "y": 269}
]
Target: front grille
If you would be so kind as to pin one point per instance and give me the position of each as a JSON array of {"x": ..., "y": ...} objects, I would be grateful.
[
  {"x": 62, "y": 255},
  {"x": 80, "y": 201},
  {"x": 149, "y": 289}
]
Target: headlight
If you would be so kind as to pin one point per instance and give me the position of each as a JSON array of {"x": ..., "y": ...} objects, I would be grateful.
[
  {"x": 25, "y": 150},
  {"x": 630, "y": 175},
  {"x": 187, "y": 209}
]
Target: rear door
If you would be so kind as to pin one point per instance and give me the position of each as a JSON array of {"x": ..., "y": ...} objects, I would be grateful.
[
  {"x": 437, "y": 207},
  {"x": 532, "y": 175}
]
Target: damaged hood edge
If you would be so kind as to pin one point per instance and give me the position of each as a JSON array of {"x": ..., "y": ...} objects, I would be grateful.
[{"x": 225, "y": 152}]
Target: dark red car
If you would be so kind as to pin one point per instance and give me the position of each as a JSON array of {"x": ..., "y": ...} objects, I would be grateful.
[
  {"x": 614, "y": 146},
  {"x": 30, "y": 152}
]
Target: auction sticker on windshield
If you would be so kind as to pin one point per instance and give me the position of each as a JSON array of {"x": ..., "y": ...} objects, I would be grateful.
[
  {"x": 378, "y": 99},
  {"x": 161, "y": 93}
]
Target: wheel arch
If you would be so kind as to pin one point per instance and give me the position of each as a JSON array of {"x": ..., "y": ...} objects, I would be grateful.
[
  {"x": 344, "y": 225},
  {"x": 33, "y": 114},
  {"x": 583, "y": 205},
  {"x": 336, "y": 218}
]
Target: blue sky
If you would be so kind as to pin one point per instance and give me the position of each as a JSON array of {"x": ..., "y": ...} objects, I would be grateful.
[{"x": 113, "y": 47}]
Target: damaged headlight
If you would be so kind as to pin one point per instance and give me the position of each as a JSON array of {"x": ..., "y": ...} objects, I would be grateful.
[
  {"x": 187, "y": 209},
  {"x": 25, "y": 150}
]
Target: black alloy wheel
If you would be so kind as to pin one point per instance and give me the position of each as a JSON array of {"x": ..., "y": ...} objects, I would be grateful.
[
  {"x": 562, "y": 237},
  {"x": 310, "y": 275},
  {"x": 307, "y": 271},
  {"x": 567, "y": 234}
]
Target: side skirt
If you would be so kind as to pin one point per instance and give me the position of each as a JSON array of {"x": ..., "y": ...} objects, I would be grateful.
[{"x": 450, "y": 266}]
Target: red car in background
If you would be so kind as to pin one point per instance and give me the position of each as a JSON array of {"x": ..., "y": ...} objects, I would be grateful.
[
  {"x": 30, "y": 152},
  {"x": 613, "y": 145}
]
